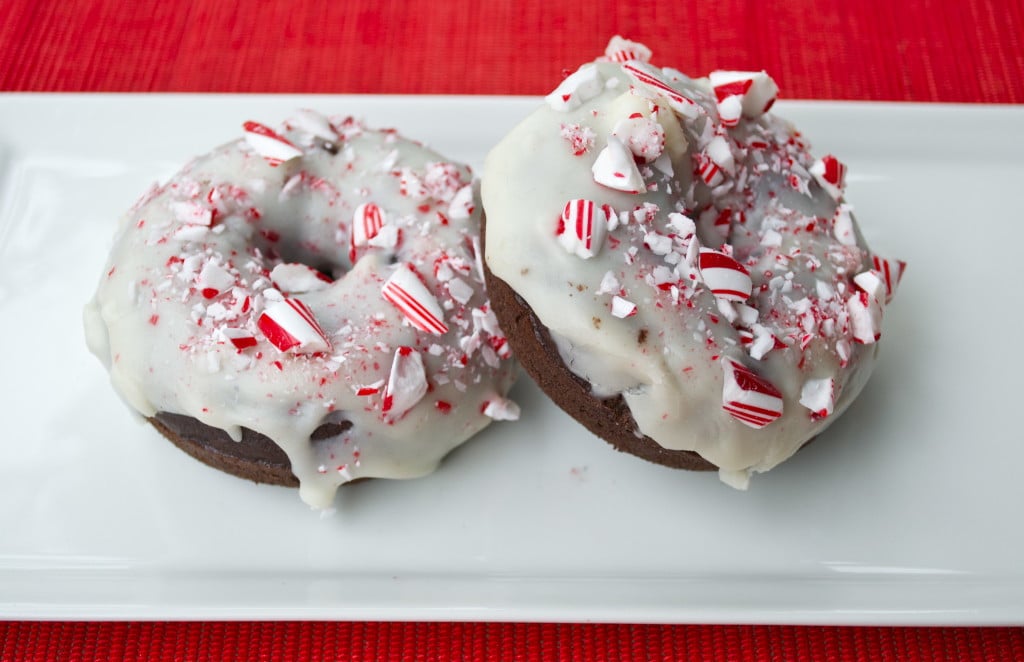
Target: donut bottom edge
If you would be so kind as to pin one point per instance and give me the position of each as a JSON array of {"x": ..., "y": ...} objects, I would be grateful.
[
  {"x": 254, "y": 458},
  {"x": 609, "y": 419}
]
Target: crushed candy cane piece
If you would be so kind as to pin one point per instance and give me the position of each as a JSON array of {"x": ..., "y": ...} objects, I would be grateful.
[
  {"x": 609, "y": 283},
  {"x": 192, "y": 213},
  {"x": 842, "y": 225},
  {"x": 367, "y": 220},
  {"x": 580, "y": 138},
  {"x": 818, "y": 395},
  {"x": 644, "y": 137},
  {"x": 830, "y": 173},
  {"x": 652, "y": 80},
  {"x": 406, "y": 291},
  {"x": 583, "y": 84},
  {"x": 298, "y": 278},
  {"x": 749, "y": 398},
  {"x": 624, "y": 50},
  {"x": 582, "y": 228},
  {"x": 616, "y": 168},
  {"x": 724, "y": 276},
  {"x": 755, "y": 90},
  {"x": 462, "y": 204},
  {"x": 407, "y": 383},
  {"x": 290, "y": 325},
  {"x": 501, "y": 409},
  {"x": 240, "y": 338},
  {"x": 459, "y": 290},
  {"x": 622, "y": 308},
  {"x": 892, "y": 274},
  {"x": 718, "y": 151},
  {"x": 274, "y": 148},
  {"x": 214, "y": 279},
  {"x": 865, "y": 313}
]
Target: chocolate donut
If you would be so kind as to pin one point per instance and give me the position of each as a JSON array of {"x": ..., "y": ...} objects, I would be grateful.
[
  {"x": 306, "y": 307},
  {"x": 676, "y": 269}
]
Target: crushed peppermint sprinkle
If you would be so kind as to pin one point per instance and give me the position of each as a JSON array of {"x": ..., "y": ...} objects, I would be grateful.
[
  {"x": 273, "y": 147},
  {"x": 651, "y": 79},
  {"x": 290, "y": 325},
  {"x": 748, "y": 398},
  {"x": 407, "y": 383},
  {"x": 818, "y": 395},
  {"x": 623, "y": 308},
  {"x": 616, "y": 168},
  {"x": 750, "y": 93},
  {"x": 644, "y": 136},
  {"x": 582, "y": 85},
  {"x": 830, "y": 173},
  {"x": 298, "y": 278},
  {"x": 582, "y": 228},
  {"x": 580, "y": 138},
  {"x": 406, "y": 291},
  {"x": 501, "y": 409},
  {"x": 624, "y": 50},
  {"x": 724, "y": 276}
]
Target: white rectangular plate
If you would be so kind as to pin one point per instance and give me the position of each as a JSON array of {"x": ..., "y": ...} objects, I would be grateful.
[{"x": 905, "y": 511}]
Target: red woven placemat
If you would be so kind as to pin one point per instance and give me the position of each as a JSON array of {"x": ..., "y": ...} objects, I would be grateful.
[
  {"x": 872, "y": 49},
  {"x": 971, "y": 51},
  {"x": 115, "y": 642}
]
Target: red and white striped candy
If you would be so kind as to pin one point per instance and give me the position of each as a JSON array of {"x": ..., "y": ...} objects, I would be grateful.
[
  {"x": 407, "y": 383},
  {"x": 240, "y": 338},
  {"x": 872, "y": 283},
  {"x": 624, "y": 50},
  {"x": 892, "y": 274},
  {"x": 755, "y": 90},
  {"x": 865, "y": 313},
  {"x": 290, "y": 325},
  {"x": 830, "y": 174},
  {"x": 819, "y": 395},
  {"x": 709, "y": 171},
  {"x": 583, "y": 84},
  {"x": 622, "y": 308},
  {"x": 715, "y": 162},
  {"x": 367, "y": 221},
  {"x": 651, "y": 79},
  {"x": 718, "y": 150},
  {"x": 582, "y": 228},
  {"x": 749, "y": 398},
  {"x": 406, "y": 291},
  {"x": 724, "y": 276},
  {"x": 275, "y": 148},
  {"x": 298, "y": 278},
  {"x": 616, "y": 168}
]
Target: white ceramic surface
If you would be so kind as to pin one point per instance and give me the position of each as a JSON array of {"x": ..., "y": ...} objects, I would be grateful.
[{"x": 905, "y": 511}]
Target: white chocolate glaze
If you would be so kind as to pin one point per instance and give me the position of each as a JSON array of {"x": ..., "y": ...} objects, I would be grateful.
[
  {"x": 201, "y": 265},
  {"x": 638, "y": 318}
]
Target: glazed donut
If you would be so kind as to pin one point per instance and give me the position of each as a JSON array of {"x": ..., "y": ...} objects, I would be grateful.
[
  {"x": 676, "y": 270},
  {"x": 306, "y": 307}
]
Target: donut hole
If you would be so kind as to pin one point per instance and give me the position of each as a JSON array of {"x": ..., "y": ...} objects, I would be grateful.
[
  {"x": 329, "y": 430},
  {"x": 330, "y": 261}
]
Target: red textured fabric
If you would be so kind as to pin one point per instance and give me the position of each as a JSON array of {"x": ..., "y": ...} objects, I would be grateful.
[
  {"x": 917, "y": 50},
  {"x": 199, "y": 642}
]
